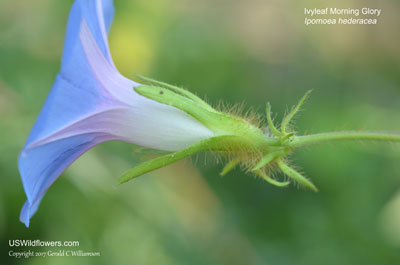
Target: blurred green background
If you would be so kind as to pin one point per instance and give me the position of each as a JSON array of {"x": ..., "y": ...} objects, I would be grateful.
[{"x": 250, "y": 51}]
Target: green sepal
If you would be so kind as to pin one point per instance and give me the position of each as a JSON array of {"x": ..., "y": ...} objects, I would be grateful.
[
  {"x": 179, "y": 90},
  {"x": 210, "y": 144},
  {"x": 271, "y": 180},
  {"x": 218, "y": 122},
  {"x": 168, "y": 97},
  {"x": 290, "y": 172},
  {"x": 229, "y": 166},
  {"x": 286, "y": 120},
  {"x": 271, "y": 125},
  {"x": 268, "y": 158}
]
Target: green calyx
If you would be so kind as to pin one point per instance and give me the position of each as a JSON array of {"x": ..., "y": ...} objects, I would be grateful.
[
  {"x": 246, "y": 144},
  {"x": 218, "y": 122}
]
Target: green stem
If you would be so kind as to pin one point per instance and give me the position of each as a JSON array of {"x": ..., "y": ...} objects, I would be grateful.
[{"x": 340, "y": 136}]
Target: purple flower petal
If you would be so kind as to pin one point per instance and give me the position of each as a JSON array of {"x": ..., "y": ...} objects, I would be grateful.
[
  {"x": 91, "y": 102},
  {"x": 40, "y": 167}
]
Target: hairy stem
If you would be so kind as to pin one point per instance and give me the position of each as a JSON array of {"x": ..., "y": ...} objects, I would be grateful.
[{"x": 341, "y": 136}]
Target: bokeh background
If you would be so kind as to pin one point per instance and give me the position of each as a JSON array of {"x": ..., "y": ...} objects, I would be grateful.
[{"x": 250, "y": 51}]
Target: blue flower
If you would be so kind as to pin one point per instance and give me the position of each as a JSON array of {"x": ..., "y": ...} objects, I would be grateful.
[{"x": 90, "y": 103}]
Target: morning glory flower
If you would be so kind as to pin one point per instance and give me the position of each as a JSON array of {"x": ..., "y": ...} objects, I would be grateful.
[{"x": 90, "y": 103}]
